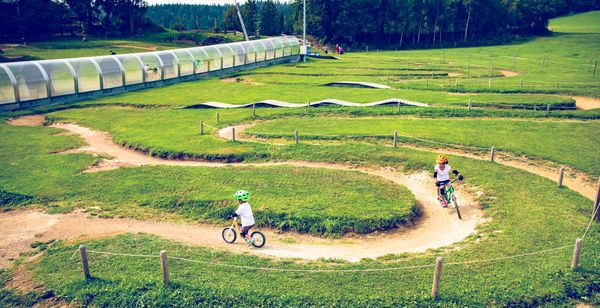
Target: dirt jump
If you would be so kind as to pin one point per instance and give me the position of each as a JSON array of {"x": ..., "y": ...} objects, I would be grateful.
[{"x": 437, "y": 227}]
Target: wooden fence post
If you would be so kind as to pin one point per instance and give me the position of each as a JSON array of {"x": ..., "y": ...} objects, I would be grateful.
[
  {"x": 597, "y": 203},
  {"x": 548, "y": 110},
  {"x": 296, "y": 136},
  {"x": 437, "y": 275},
  {"x": 201, "y": 127},
  {"x": 233, "y": 134},
  {"x": 84, "y": 262},
  {"x": 492, "y": 154},
  {"x": 469, "y": 104},
  {"x": 489, "y": 82},
  {"x": 543, "y": 62},
  {"x": 595, "y": 66},
  {"x": 561, "y": 174},
  {"x": 521, "y": 84},
  {"x": 398, "y": 108},
  {"x": 576, "y": 254},
  {"x": 395, "y": 139},
  {"x": 165, "y": 267}
]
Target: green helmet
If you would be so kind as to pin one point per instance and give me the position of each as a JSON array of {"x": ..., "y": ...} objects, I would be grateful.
[{"x": 242, "y": 195}]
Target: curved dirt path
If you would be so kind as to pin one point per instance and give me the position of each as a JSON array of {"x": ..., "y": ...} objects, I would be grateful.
[
  {"x": 537, "y": 169},
  {"x": 586, "y": 102},
  {"x": 438, "y": 227}
]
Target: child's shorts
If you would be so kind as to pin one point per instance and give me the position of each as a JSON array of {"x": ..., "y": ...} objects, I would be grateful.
[{"x": 245, "y": 230}]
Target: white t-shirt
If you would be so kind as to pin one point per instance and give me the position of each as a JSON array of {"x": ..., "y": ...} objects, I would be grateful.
[
  {"x": 245, "y": 213},
  {"x": 442, "y": 175}
]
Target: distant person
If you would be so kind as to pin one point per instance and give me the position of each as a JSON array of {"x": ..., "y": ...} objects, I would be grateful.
[
  {"x": 326, "y": 50},
  {"x": 112, "y": 52},
  {"x": 151, "y": 71},
  {"x": 341, "y": 50},
  {"x": 84, "y": 36},
  {"x": 337, "y": 48}
]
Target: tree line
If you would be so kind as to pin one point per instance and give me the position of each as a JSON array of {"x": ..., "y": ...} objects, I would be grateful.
[
  {"x": 429, "y": 23},
  {"x": 186, "y": 16},
  {"x": 34, "y": 19},
  {"x": 358, "y": 23},
  {"x": 260, "y": 18}
]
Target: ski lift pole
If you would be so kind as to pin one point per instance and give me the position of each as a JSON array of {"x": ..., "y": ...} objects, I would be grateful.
[{"x": 241, "y": 20}]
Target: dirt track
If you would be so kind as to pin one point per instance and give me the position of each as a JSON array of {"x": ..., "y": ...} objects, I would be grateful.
[
  {"x": 438, "y": 227},
  {"x": 574, "y": 184}
]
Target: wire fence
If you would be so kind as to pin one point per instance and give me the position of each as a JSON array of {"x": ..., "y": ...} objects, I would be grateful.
[{"x": 437, "y": 266}]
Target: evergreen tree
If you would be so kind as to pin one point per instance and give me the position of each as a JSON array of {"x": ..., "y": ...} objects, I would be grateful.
[{"x": 269, "y": 19}]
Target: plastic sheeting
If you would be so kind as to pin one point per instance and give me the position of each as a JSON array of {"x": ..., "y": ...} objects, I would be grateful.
[{"x": 30, "y": 80}]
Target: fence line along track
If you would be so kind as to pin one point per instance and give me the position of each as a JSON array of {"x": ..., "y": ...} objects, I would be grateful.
[{"x": 278, "y": 269}]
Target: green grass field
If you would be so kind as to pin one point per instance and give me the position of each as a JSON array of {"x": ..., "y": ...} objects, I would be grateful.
[
  {"x": 540, "y": 139},
  {"x": 203, "y": 194},
  {"x": 579, "y": 23},
  {"x": 524, "y": 213}
]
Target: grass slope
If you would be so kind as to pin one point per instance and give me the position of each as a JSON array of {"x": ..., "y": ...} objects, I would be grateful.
[
  {"x": 572, "y": 143},
  {"x": 578, "y": 23}
]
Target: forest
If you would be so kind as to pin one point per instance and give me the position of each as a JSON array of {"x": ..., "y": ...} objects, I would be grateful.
[{"x": 388, "y": 24}]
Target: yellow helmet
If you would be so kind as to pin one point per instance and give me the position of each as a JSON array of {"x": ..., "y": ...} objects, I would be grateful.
[{"x": 442, "y": 158}]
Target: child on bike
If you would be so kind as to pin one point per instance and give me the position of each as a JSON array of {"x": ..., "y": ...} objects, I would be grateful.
[
  {"x": 441, "y": 173},
  {"x": 244, "y": 211}
]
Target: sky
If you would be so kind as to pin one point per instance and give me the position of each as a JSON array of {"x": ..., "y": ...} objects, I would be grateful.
[{"x": 199, "y": 1}]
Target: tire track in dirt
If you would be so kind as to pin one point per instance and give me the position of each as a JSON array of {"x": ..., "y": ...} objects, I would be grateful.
[{"x": 438, "y": 227}]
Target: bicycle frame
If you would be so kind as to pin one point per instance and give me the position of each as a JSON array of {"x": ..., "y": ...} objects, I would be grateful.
[
  {"x": 235, "y": 225},
  {"x": 449, "y": 191}
]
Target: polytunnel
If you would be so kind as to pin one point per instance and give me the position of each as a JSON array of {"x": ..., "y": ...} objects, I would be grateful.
[{"x": 37, "y": 80}]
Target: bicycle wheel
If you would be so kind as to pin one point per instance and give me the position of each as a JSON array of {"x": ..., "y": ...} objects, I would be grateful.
[
  {"x": 229, "y": 235},
  {"x": 456, "y": 205},
  {"x": 259, "y": 239}
]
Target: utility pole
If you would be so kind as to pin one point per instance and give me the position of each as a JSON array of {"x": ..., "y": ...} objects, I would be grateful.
[
  {"x": 304, "y": 30},
  {"x": 304, "y": 26}
]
